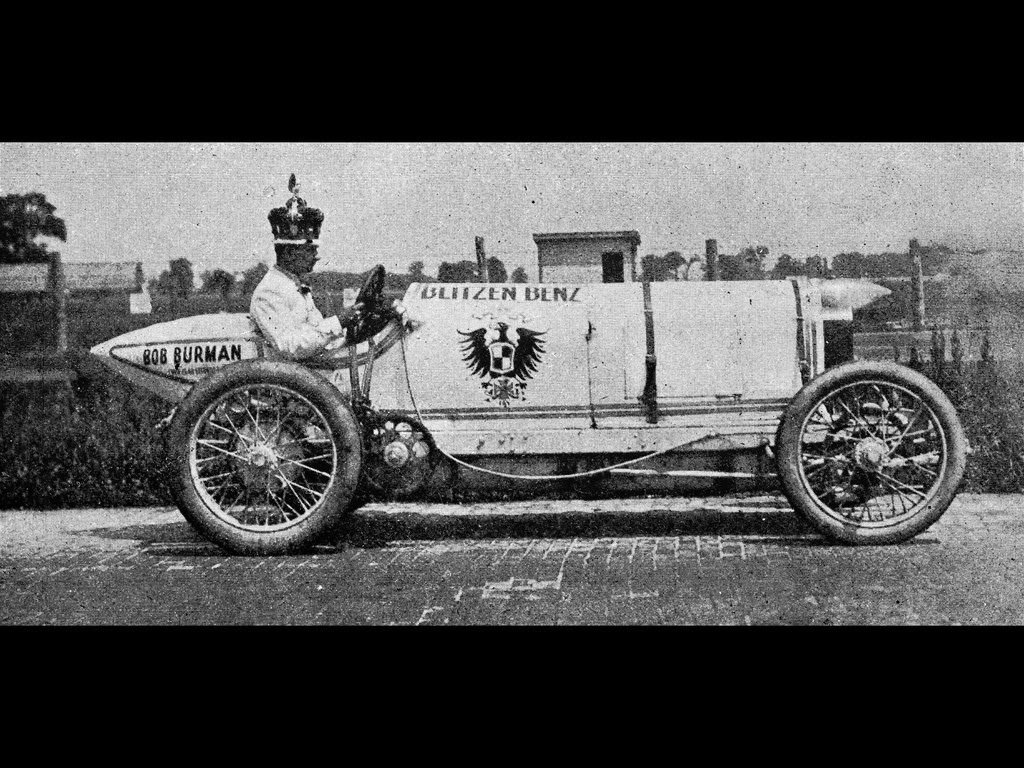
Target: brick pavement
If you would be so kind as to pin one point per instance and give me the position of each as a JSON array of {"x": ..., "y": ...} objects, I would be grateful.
[{"x": 729, "y": 560}]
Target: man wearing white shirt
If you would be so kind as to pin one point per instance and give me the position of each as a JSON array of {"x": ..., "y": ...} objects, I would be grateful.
[{"x": 282, "y": 306}]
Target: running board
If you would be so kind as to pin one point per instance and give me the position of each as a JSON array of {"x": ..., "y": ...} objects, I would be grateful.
[{"x": 687, "y": 473}]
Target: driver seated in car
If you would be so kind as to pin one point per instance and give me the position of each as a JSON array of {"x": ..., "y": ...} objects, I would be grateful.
[{"x": 282, "y": 305}]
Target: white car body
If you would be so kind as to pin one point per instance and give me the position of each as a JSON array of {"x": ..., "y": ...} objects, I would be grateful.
[{"x": 728, "y": 356}]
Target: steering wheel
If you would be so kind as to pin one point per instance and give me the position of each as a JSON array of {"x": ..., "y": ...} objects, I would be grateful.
[
  {"x": 373, "y": 287},
  {"x": 376, "y": 312}
]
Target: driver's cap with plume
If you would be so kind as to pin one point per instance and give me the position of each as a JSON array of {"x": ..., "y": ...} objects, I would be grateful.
[{"x": 296, "y": 223}]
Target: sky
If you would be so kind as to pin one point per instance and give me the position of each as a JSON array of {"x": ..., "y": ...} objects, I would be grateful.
[{"x": 393, "y": 203}]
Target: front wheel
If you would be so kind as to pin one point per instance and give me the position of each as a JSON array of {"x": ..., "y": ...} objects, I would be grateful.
[
  {"x": 871, "y": 453},
  {"x": 266, "y": 457}
]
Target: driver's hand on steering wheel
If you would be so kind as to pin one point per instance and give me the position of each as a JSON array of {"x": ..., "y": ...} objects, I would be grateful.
[
  {"x": 335, "y": 326},
  {"x": 351, "y": 315},
  {"x": 400, "y": 311}
]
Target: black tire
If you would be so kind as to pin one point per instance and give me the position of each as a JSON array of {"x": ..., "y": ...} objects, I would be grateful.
[
  {"x": 295, "y": 473},
  {"x": 870, "y": 453}
]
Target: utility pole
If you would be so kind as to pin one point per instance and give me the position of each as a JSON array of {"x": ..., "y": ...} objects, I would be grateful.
[
  {"x": 59, "y": 287},
  {"x": 917, "y": 279},
  {"x": 711, "y": 258},
  {"x": 481, "y": 261}
]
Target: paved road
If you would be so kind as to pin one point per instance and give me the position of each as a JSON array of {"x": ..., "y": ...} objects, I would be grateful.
[{"x": 729, "y": 560}]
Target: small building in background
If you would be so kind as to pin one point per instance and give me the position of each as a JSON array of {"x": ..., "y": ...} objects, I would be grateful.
[
  {"x": 96, "y": 294},
  {"x": 587, "y": 257},
  {"x": 113, "y": 280},
  {"x": 114, "y": 276}
]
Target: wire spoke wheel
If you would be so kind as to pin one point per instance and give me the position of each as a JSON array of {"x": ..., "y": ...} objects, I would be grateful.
[
  {"x": 266, "y": 457},
  {"x": 871, "y": 453},
  {"x": 262, "y": 457}
]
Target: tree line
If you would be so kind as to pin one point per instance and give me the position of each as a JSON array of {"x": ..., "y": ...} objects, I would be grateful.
[
  {"x": 24, "y": 218},
  {"x": 178, "y": 280},
  {"x": 749, "y": 263}
]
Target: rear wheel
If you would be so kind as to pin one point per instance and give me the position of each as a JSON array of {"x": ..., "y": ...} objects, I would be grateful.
[
  {"x": 266, "y": 457},
  {"x": 871, "y": 453}
]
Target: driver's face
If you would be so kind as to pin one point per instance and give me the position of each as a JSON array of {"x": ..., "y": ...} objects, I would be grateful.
[{"x": 299, "y": 259}]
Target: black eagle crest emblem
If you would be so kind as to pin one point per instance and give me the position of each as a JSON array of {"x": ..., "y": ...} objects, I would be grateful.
[{"x": 504, "y": 363}]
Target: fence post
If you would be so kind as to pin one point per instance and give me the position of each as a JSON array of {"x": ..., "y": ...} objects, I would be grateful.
[
  {"x": 938, "y": 354},
  {"x": 59, "y": 288},
  {"x": 915, "y": 361},
  {"x": 917, "y": 279},
  {"x": 986, "y": 349},
  {"x": 711, "y": 258},
  {"x": 957, "y": 351},
  {"x": 481, "y": 261}
]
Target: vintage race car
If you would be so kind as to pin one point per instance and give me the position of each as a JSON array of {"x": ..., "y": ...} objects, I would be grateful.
[{"x": 593, "y": 388}]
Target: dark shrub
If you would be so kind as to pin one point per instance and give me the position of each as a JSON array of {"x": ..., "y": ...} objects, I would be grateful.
[
  {"x": 989, "y": 398},
  {"x": 91, "y": 444}
]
